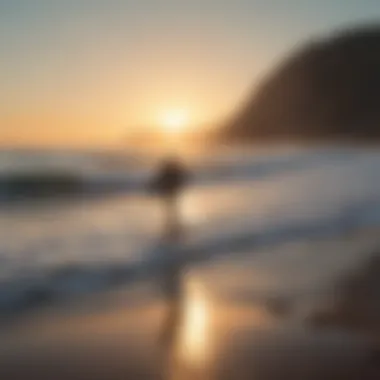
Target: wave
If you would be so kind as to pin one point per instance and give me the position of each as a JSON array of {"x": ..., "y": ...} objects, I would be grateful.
[
  {"x": 21, "y": 185},
  {"x": 32, "y": 185},
  {"x": 63, "y": 283}
]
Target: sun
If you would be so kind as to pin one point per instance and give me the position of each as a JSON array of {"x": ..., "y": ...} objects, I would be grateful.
[{"x": 175, "y": 121}]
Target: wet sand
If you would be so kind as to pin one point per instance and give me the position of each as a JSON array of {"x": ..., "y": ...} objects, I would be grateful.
[{"x": 111, "y": 337}]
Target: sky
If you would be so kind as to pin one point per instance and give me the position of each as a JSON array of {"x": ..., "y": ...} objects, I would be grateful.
[{"x": 93, "y": 72}]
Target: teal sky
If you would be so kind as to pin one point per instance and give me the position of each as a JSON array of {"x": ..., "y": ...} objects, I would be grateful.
[{"x": 76, "y": 71}]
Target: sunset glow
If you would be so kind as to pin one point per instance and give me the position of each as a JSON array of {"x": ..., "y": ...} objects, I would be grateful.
[
  {"x": 94, "y": 73},
  {"x": 175, "y": 121}
]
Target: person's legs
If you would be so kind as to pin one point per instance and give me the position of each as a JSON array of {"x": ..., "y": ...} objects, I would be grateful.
[{"x": 173, "y": 225}]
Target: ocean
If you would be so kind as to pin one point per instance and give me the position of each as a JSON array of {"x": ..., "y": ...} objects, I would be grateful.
[{"x": 242, "y": 204}]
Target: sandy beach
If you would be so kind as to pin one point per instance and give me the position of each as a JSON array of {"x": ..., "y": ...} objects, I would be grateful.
[{"x": 229, "y": 330}]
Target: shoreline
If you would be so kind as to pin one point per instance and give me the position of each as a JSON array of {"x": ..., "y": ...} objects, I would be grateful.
[{"x": 110, "y": 337}]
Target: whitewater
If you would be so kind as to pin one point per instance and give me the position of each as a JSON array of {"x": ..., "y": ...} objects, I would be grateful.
[{"x": 238, "y": 205}]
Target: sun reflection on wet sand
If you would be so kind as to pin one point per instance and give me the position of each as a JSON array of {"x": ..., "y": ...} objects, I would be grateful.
[{"x": 194, "y": 339}]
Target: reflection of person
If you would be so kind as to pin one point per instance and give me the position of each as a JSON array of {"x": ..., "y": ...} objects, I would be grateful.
[
  {"x": 172, "y": 287},
  {"x": 168, "y": 183}
]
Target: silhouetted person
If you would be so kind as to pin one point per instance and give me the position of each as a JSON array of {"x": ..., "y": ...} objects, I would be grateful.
[
  {"x": 168, "y": 184},
  {"x": 170, "y": 180}
]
